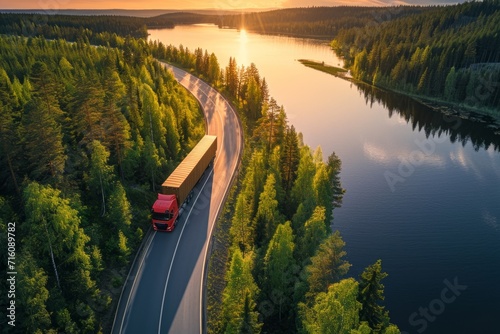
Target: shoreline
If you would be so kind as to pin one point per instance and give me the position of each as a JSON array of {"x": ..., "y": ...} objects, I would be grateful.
[
  {"x": 329, "y": 69},
  {"x": 445, "y": 107}
]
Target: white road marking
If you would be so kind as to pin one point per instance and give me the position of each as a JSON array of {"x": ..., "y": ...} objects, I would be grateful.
[
  {"x": 176, "y": 247},
  {"x": 133, "y": 284},
  {"x": 227, "y": 107}
]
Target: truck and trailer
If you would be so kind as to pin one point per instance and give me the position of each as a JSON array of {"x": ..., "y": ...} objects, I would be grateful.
[{"x": 176, "y": 191}]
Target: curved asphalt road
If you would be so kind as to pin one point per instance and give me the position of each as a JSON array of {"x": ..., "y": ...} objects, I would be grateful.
[{"x": 164, "y": 290}]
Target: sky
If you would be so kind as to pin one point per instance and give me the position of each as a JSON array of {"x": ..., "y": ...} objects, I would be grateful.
[{"x": 199, "y": 4}]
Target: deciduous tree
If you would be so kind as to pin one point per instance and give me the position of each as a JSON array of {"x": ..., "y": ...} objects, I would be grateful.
[
  {"x": 239, "y": 297},
  {"x": 268, "y": 217},
  {"x": 241, "y": 228},
  {"x": 33, "y": 295},
  {"x": 315, "y": 231},
  {"x": 280, "y": 269},
  {"x": 323, "y": 190},
  {"x": 335, "y": 311},
  {"x": 100, "y": 176},
  {"x": 54, "y": 233}
]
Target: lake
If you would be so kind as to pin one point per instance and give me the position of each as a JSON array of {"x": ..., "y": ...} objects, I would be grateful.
[{"x": 423, "y": 187}]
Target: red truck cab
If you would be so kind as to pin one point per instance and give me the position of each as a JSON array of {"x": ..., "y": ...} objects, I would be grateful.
[{"x": 165, "y": 213}]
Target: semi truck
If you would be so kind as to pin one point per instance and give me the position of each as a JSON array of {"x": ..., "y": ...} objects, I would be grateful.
[{"x": 176, "y": 191}]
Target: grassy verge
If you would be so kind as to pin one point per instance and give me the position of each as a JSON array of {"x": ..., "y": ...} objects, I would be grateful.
[
  {"x": 218, "y": 256},
  {"x": 337, "y": 71},
  {"x": 217, "y": 265}
]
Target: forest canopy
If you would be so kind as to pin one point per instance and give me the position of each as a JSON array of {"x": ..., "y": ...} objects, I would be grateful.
[{"x": 87, "y": 134}]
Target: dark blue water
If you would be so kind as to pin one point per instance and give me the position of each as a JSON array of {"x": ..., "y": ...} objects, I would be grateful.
[{"x": 430, "y": 209}]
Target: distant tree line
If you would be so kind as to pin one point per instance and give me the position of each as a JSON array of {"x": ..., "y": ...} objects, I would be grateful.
[
  {"x": 179, "y": 18},
  {"x": 323, "y": 22},
  {"x": 451, "y": 53},
  {"x": 72, "y": 27},
  {"x": 87, "y": 135},
  {"x": 93, "y": 27}
]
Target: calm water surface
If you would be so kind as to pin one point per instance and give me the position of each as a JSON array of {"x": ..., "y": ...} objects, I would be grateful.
[{"x": 423, "y": 188}]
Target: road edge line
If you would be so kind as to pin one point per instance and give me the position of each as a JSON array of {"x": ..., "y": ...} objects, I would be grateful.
[
  {"x": 203, "y": 315},
  {"x": 140, "y": 251}
]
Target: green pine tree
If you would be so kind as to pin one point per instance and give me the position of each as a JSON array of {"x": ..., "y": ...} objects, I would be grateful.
[
  {"x": 327, "y": 265},
  {"x": 42, "y": 133},
  {"x": 371, "y": 294}
]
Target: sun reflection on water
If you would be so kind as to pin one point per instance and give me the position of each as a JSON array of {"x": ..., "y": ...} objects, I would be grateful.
[
  {"x": 243, "y": 52},
  {"x": 243, "y": 36}
]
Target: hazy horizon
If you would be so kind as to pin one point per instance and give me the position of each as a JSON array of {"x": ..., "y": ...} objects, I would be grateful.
[{"x": 176, "y": 5}]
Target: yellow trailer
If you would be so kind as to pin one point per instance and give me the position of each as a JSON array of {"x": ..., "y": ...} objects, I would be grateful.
[{"x": 183, "y": 179}]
